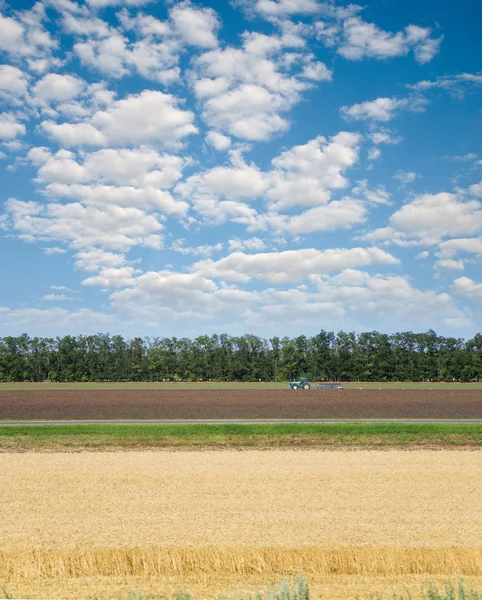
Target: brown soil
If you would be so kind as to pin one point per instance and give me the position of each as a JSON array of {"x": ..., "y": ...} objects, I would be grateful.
[{"x": 241, "y": 404}]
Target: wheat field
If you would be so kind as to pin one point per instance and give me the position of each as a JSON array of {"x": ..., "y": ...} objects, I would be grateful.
[{"x": 76, "y": 524}]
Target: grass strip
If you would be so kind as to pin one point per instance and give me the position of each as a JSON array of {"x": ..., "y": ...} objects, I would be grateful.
[{"x": 229, "y": 435}]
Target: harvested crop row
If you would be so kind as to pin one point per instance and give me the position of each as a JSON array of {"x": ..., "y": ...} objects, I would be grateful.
[
  {"x": 237, "y": 562},
  {"x": 241, "y": 404}
]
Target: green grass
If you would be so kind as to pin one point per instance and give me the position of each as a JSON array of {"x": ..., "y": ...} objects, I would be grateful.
[
  {"x": 225, "y": 385},
  {"x": 230, "y": 435}
]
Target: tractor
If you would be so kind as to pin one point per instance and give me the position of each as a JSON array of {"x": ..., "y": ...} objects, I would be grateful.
[{"x": 301, "y": 384}]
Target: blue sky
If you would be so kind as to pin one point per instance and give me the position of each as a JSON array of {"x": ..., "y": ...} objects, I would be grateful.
[{"x": 263, "y": 166}]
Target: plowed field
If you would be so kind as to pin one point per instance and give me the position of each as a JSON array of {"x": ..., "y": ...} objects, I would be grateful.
[{"x": 242, "y": 404}]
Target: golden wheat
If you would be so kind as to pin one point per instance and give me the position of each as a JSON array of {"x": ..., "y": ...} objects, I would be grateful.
[
  {"x": 220, "y": 516},
  {"x": 212, "y": 562}
]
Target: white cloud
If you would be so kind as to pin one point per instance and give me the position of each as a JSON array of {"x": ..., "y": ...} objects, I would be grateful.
[
  {"x": 74, "y": 134},
  {"x": 56, "y": 297},
  {"x": 251, "y": 244},
  {"x": 203, "y": 250},
  {"x": 11, "y": 34},
  {"x": 476, "y": 190},
  {"x": 148, "y": 117},
  {"x": 97, "y": 259},
  {"x": 385, "y": 136},
  {"x": 422, "y": 255},
  {"x": 10, "y": 128},
  {"x": 112, "y": 277},
  {"x": 464, "y": 286},
  {"x": 52, "y": 250},
  {"x": 361, "y": 39},
  {"x": 281, "y": 8},
  {"x": 405, "y": 177},
  {"x": 197, "y": 26},
  {"x": 306, "y": 174},
  {"x": 61, "y": 288},
  {"x": 382, "y": 109},
  {"x": 13, "y": 82},
  {"x": 449, "y": 248},
  {"x": 236, "y": 183},
  {"x": 289, "y": 265},
  {"x": 456, "y": 85},
  {"x": 449, "y": 263},
  {"x": 218, "y": 140},
  {"x": 431, "y": 217},
  {"x": 57, "y": 88},
  {"x": 141, "y": 167},
  {"x": 344, "y": 300},
  {"x": 25, "y": 38},
  {"x": 375, "y": 195},
  {"x": 104, "y": 3},
  {"x": 55, "y": 321},
  {"x": 339, "y": 214},
  {"x": 111, "y": 227},
  {"x": 244, "y": 91},
  {"x": 115, "y": 56}
]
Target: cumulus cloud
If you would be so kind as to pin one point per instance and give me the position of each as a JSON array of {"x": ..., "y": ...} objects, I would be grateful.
[
  {"x": 245, "y": 91},
  {"x": 10, "y": 128},
  {"x": 55, "y": 321},
  {"x": 148, "y": 117},
  {"x": 303, "y": 176},
  {"x": 351, "y": 296},
  {"x": 306, "y": 174},
  {"x": 112, "y": 277},
  {"x": 428, "y": 219},
  {"x": 464, "y": 286},
  {"x": 218, "y": 140},
  {"x": 57, "y": 88},
  {"x": 361, "y": 39},
  {"x": 282, "y": 8},
  {"x": 202, "y": 250},
  {"x": 431, "y": 217},
  {"x": 455, "y": 85},
  {"x": 197, "y": 26},
  {"x": 338, "y": 214},
  {"x": 289, "y": 265},
  {"x": 382, "y": 109},
  {"x": 104, "y": 3},
  {"x": 405, "y": 177},
  {"x": 250, "y": 244},
  {"x": 111, "y": 227},
  {"x": 56, "y": 297},
  {"x": 115, "y": 56},
  {"x": 13, "y": 82},
  {"x": 97, "y": 259},
  {"x": 25, "y": 38},
  {"x": 139, "y": 167}
]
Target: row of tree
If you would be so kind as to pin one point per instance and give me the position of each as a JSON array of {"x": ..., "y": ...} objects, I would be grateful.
[{"x": 327, "y": 356}]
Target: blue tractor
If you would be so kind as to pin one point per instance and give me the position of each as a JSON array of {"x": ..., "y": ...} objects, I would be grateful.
[
  {"x": 301, "y": 384},
  {"x": 304, "y": 384}
]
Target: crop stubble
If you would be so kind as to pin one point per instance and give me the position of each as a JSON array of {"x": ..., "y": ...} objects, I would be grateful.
[
  {"x": 199, "y": 516},
  {"x": 241, "y": 404}
]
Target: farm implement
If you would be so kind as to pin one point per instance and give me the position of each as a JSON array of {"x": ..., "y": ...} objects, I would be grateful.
[{"x": 304, "y": 384}]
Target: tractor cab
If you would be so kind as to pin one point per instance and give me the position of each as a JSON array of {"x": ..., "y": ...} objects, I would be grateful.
[{"x": 301, "y": 384}]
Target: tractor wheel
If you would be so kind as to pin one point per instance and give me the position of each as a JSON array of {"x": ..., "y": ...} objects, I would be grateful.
[
  {"x": 306, "y": 386},
  {"x": 294, "y": 387}
]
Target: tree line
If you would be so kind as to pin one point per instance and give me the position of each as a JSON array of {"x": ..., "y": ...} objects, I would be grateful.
[{"x": 327, "y": 356}]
